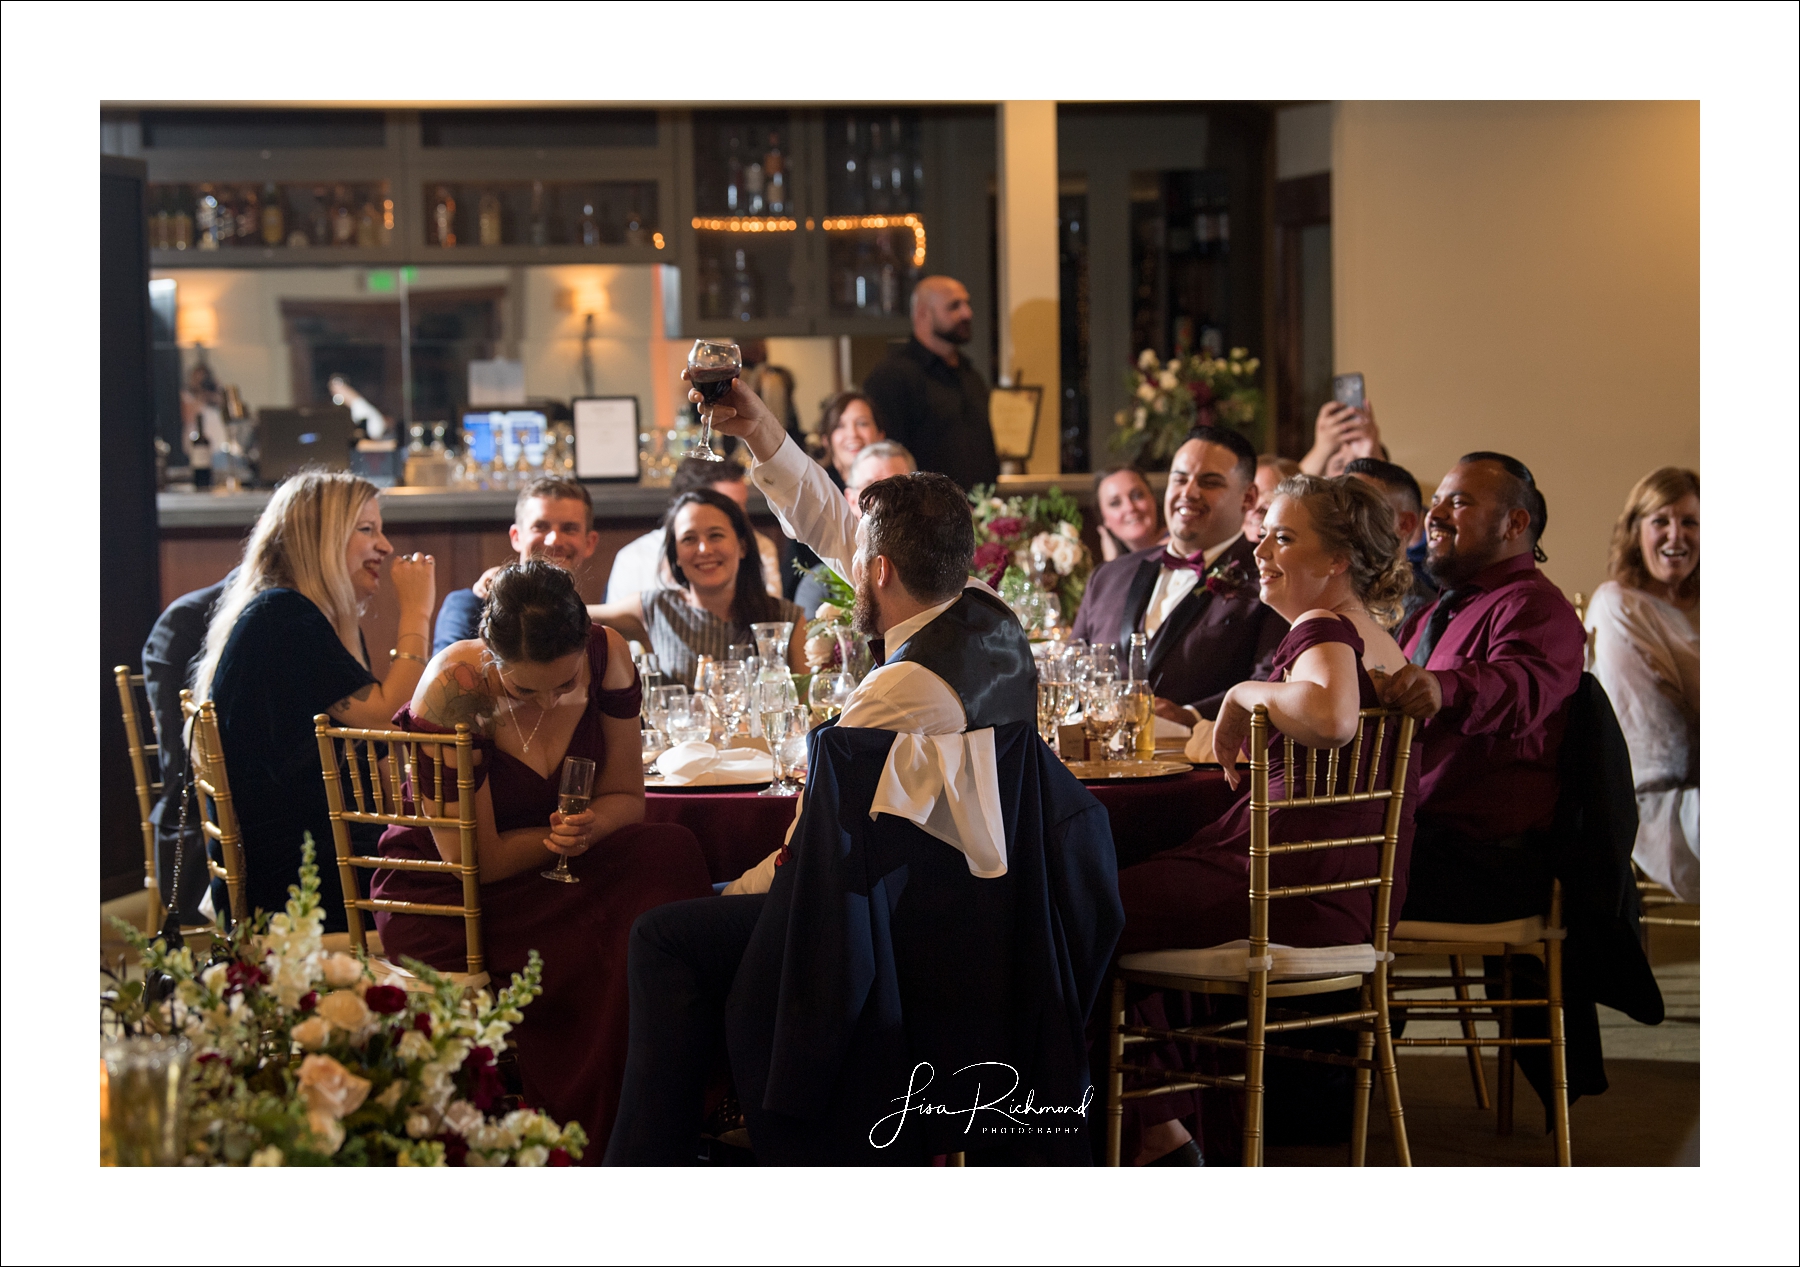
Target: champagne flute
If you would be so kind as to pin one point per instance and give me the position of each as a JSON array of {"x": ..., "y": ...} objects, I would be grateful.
[
  {"x": 776, "y": 721},
  {"x": 572, "y": 798},
  {"x": 712, "y": 368}
]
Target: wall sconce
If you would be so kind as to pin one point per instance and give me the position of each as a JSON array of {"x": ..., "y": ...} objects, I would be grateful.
[{"x": 196, "y": 325}]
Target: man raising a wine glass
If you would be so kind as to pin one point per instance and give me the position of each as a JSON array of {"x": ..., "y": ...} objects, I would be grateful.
[{"x": 958, "y": 689}]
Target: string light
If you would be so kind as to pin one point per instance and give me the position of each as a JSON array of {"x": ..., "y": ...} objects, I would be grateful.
[
  {"x": 843, "y": 224},
  {"x": 746, "y": 224},
  {"x": 657, "y": 239}
]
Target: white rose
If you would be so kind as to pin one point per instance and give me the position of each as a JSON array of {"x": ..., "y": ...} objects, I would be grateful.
[
  {"x": 391, "y": 1097},
  {"x": 1167, "y": 381},
  {"x": 1146, "y": 392},
  {"x": 828, "y": 611},
  {"x": 1068, "y": 530},
  {"x": 270, "y": 1156},
  {"x": 534, "y": 1155},
  {"x": 1147, "y": 359},
  {"x": 473, "y": 1158},
  {"x": 1174, "y": 363},
  {"x": 415, "y": 1046},
  {"x": 819, "y": 649},
  {"x": 418, "y": 1126},
  {"x": 345, "y": 1010},
  {"x": 463, "y": 1117},
  {"x": 312, "y": 1033},
  {"x": 341, "y": 970},
  {"x": 214, "y": 980}
]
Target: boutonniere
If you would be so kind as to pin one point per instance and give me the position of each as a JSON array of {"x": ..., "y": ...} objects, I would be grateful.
[{"x": 1228, "y": 579}]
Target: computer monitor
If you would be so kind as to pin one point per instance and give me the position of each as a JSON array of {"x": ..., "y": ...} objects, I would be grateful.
[
  {"x": 503, "y": 431},
  {"x": 312, "y": 435}
]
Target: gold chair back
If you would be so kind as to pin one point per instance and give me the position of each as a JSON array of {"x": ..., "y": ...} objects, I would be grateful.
[
  {"x": 403, "y": 787},
  {"x": 146, "y": 773},
  {"x": 1312, "y": 779},
  {"x": 218, "y": 816}
]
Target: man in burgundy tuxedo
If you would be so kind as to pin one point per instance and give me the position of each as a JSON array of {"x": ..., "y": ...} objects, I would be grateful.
[{"x": 1196, "y": 597}]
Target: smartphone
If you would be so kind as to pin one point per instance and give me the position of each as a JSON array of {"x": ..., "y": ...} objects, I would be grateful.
[{"x": 1347, "y": 389}]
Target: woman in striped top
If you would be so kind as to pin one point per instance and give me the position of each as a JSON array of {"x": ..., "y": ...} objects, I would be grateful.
[{"x": 714, "y": 559}]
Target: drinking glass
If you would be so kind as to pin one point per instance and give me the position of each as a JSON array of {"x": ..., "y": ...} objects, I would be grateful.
[
  {"x": 706, "y": 676},
  {"x": 712, "y": 368},
  {"x": 778, "y": 723},
  {"x": 142, "y": 1117},
  {"x": 1141, "y": 714},
  {"x": 732, "y": 697},
  {"x": 572, "y": 797},
  {"x": 829, "y": 691},
  {"x": 690, "y": 721},
  {"x": 655, "y": 744},
  {"x": 1103, "y": 711}
]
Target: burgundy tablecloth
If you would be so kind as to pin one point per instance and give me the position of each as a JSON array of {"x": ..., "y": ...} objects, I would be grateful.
[{"x": 737, "y": 830}]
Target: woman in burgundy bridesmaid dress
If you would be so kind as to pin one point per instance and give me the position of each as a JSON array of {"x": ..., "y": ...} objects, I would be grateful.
[
  {"x": 1331, "y": 563},
  {"x": 541, "y": 684}
]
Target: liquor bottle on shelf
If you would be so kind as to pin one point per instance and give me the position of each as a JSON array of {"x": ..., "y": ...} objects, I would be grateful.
[
  {"x": 775, "y": 171},
  {"x": 897, "y": 165},
  {"x": 181, "y": 222},
  {"x": 343, "y": 221},
  {"x": 159, "y": 222},
  {"x": 318, "y": 218},
  {"x": 734, "y": 177},
  {"x": 889, "y": 275},
  {"x": 368, "y": 224},
  {"x": 636, "y": 233},
  {"x": 868, "y": 280},
  {"x": 487, "y": 219},
  {"x": 249, "y": 217},
  {"x": 540, "y": 225},
  {"x": 590, "y": 227},
  {"x": 712, "y": 288},
  {"x": 200, "y": 458},
  {"x": 851, "y": 176},
  {"x": 443, "y": 218},
  {"x": 206, "y": 218},
  {"x": 878, "y": 194},
  {"x": 274, "y": 222},
  {"x": 743, "y": 289},
  {"x": 754, "y": 187}
]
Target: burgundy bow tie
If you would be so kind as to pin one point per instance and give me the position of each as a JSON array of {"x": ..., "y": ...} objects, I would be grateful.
[{"x": 1173, "y": 562}]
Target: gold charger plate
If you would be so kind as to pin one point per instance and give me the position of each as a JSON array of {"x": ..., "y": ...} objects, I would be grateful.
[{"x": 1097, "y": 770}]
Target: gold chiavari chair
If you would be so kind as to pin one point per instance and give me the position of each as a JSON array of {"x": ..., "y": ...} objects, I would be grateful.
[
  {"x": 218, "y": 816},
  {"x": 1258, "y": 971},
  {"x": 1653, "y": 897},
  {"x": 1540, "y": 935},
  {"x": 379, "y": 789},
  {"x": 146, "y": 756}
]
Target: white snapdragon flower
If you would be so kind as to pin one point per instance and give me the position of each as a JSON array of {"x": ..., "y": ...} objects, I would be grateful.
[
  {"x": 531, "y": 1155},
  {"x": 1139, "y": 419},
  {"x": 390, "y": 1099},
  {"x": 214, "y": 979},
  {"x": 415, "y": 1046}
]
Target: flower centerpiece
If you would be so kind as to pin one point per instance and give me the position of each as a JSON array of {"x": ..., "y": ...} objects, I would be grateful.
[
  {"x": 303, "y": 1058},
  {"x": 1187, "y": 391},
  {"x": 1031, "y": 542}
]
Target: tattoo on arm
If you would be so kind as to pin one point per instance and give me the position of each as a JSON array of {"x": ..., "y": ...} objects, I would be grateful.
[
  {"x": 459, "y": 697},
  {"x": 358, "y": 696}
]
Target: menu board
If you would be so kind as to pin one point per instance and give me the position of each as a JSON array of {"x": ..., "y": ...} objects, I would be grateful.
[{"x": 606, "y": 437}]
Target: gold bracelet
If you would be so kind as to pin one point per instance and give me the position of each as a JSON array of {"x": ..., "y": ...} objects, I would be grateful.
[{"x": 405, "y": 655}]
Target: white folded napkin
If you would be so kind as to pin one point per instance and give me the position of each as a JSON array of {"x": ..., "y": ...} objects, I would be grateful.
[
  {"x": 1166, "y": 729},
  {"x": 948, "y": 785},
  {"x": 702, "y": 765}
]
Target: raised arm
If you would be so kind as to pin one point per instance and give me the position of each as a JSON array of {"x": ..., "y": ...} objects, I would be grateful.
[
  {"x": 804, "y": 499},
  {"x": 415, "y": 583},
  {"x": 1317, "y": 705}
]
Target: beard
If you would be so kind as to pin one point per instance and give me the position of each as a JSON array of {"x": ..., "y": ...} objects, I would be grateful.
[
  {"x": 959, "y": 334},
  {"x": 1448, "y": 570},
  {"x": 865, "y": 617}
]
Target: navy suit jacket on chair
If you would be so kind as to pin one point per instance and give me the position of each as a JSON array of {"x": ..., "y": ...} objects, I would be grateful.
[
  {"x": 1205, "y": 646},
  {"x": 879, "y": 954}
]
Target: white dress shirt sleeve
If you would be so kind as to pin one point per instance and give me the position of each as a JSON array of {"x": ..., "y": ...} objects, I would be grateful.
[
  {"x": 808, "y": 505},
  {"x": 635, "y": 568}
]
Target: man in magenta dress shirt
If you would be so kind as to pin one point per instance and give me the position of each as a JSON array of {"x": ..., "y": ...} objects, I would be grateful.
[{"x": 1495, "y": 661}]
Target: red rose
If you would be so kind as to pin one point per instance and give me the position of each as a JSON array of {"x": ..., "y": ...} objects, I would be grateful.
[
  {"x": 207, "y": 1057},
  {"x": 559, "y": 1157},
  {"x": 309, "y": 1000},
  {"x": 455, "y": 1148},
  {"x": 1202, "y": 392},
  {"x": 241, "y": 975},
  {"x": 422, "y": 1023},
  {"x": 386, "y": 999},
  {"x": 1006, "y": 526},
  {"x": 484, "y": 1085}
]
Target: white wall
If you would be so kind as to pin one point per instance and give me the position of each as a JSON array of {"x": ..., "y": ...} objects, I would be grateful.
[{"x": 1525, "y": 277}]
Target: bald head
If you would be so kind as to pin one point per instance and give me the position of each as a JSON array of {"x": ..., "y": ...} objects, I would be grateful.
[{"x": 942, "y": 318}]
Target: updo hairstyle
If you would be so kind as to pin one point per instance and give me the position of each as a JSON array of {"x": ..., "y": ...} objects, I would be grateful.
[
  {"x": 533, "y": 614},
  {"x": 1355, "y": 521}
]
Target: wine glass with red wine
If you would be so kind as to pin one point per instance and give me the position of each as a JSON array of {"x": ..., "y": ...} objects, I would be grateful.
[{"x": 712, "y": 368}]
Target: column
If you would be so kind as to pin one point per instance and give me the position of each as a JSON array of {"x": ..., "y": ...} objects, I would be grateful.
[{"x": 1028, "y": 266}]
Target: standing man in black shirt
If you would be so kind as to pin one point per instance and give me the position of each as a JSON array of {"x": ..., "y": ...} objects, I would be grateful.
[{"x": 928, "y": 397}]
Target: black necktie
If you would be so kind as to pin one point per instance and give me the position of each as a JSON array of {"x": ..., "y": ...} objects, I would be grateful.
[{"x": 1439, "y": 621}]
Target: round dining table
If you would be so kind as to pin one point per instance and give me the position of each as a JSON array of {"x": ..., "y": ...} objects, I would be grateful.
[{"x": 739, "y": 828}]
